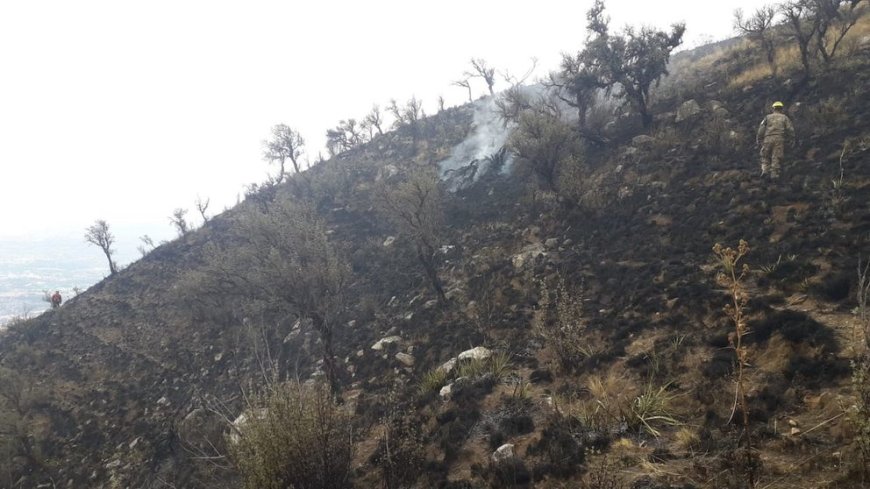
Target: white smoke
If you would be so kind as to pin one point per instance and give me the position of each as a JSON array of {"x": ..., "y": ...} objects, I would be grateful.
[{"x": 473, "y": 157}]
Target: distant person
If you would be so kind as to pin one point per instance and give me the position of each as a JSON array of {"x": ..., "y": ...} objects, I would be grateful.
[
  {"x": 773, "y": 132},
  {"x": 56, "y": 299}
]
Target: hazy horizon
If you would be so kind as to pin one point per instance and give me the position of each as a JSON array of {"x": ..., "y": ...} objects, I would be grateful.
[{"x": 125, "y": 112}]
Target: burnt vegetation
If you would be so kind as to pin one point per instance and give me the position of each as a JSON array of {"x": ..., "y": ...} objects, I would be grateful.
[{"x": 554, "y": 318}]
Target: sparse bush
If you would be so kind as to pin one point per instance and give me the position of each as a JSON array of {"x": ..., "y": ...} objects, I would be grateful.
[
  {"x": 542, "y": 143},
  {"x": 298, "y": 439},
  {"x": 400, "y": 454},
  {"x": 562, "y": 327},
  {"x": 730, "y": 276}
]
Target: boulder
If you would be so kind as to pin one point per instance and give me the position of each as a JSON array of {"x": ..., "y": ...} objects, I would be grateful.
[
  {"x": 643, "y": 140},
  {"x": 551, "y": 243},
  {"x": 476, "y": 353},
  {"x": 445, "y": 392},
  {"x": 527, "y": 255},
  {"x": 383, "y": 342},
  {"x": 448, "y": 366},
  {"x": 502, "y": 454},
  {"x": 389, "y": 241},
  {"x": 405, "y": 359},
  {"x": 688, "y": 110}
]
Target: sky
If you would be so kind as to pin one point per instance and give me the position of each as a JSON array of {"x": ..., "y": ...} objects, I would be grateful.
[{"x": 126, "y": 110}]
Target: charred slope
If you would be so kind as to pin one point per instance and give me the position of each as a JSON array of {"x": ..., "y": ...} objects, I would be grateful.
[{"x": 119, "y": 372}]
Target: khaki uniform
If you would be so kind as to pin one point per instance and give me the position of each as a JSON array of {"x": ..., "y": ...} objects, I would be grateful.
[{"x": 773, "y": 132}]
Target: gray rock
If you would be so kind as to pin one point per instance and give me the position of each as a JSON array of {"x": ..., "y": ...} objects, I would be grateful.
[
  {"x": 642, "y": 140},
  {"x": 389, "y": 340},
  {"x": 389, "y": 241},
  {"x": 503, "y": 454},
  {"x": 448, "y": 366},
  {"x": 407, "y": 360},
  {"x": 445, "y": 392},
  {"x": 476, "y": 353},
  {"x": 527, "y": 255},
  {"x": 551, "y": 243},
  {"x": 688, "y": 110}
]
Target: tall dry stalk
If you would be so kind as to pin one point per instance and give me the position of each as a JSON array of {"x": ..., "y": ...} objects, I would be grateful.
[{"x": 730, "y": 276}]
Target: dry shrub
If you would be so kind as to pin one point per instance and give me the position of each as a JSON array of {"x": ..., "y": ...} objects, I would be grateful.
[
  {"x": 400, "y": 453},
  {"x": 561, "y": 325},
  {"x": 294, "y": 436}
]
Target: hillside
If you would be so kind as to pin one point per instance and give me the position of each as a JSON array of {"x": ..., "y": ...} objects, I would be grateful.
[{"x": 611, "y": 361}]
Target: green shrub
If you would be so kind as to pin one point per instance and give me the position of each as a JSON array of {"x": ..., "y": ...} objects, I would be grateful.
[{"x": 294, "y": 436}]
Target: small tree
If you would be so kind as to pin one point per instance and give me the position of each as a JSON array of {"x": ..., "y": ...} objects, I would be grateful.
[
  {"x": 759, "y": 28},
  {"x": 374, "y": 119},
  {"x": 480, "y": 69},
  {"x": 466, "y": 84},
  {"x": 542, "y": 143},
  {"x": 202, "y": 207},
  {"x": 179, "y": 222},
  {"x": 803, "y": 25},
  {"x": 635, "y": 59},
  {"x": 286, "y": 144},
  {"x": 99, "y": 235},
  {"x": 288, "y": 262},
  {"x": 415, "y": 207},
  {"x": 147, "y": 244},
  {"x": 834, "y": 18}
]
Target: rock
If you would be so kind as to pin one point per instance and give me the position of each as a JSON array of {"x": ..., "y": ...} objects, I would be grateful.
[
  {"x": 430, "y": 304},
  {"x": 163, "y": 401},
  {"x": 503, "y": 454},
  {"x": 389, "y": 340},
  {"x": 527, "y": 255},
  {"x": 113, "y": 464},
  {"x": 795, "y": 431},
  {"x": 360, "y": 353},
  {"x": 718, "y": 108},
  {"x": 688, "y": 110},
  {"x": 792, "y": 423},
  {"x": 445, "y": 392},
  {"x": 643, "y": 140},
  {"x": 551, "y": 243},
  {"x": 218, "y": 357},
  {"x": 407, "y": 360},
  {"x": 448, "y": 365},
  {"x": 389, "y": 241},
  {"x": 476, "y": 353}
]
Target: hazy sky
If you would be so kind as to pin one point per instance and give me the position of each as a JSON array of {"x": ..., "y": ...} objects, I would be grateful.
[{"x": 125, "y": 110}]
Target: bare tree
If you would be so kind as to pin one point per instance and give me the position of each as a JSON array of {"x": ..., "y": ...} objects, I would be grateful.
[
  {"x": 202, "y": 207},
  {"x": 288, "y": 262},
  {"x": 803, "y": 25},
  {"x": 98, "y": 234},
  {"x": 440, "y": 103},
  {"x": 513, "y": 80},
  {"x": 759, "y": 28},
  {"x": 347, "y": 135},
  {"x": 415, "y": 207},
  {"x": 286, "y": 144},
  {"x": 480, "y": 69},
  {"x": 466, "y": 84},
  {"x": 374, "y": 119},
  {"x": 179, "y": 222},
  {"x": 834, "y": 17},
  {"x": 147, "y": 244}
]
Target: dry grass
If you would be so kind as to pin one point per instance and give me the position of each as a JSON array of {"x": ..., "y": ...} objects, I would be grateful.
[{"x": 788, "y": 56}]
